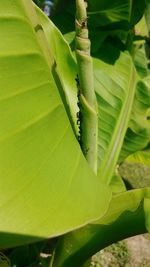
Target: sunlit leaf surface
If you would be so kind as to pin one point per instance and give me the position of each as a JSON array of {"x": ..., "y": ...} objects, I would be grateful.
[{"x": 46, "y": 186}]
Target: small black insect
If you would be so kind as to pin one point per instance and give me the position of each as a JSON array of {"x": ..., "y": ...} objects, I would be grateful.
[
  {"x": 77, "y": 80},
  {"x": 78, "y": 114}
]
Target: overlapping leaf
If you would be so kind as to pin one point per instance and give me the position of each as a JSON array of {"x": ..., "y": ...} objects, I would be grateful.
[
  {"x": 115, "y": 88},
  {"x": 127, "y": 215},
  {"x": 65, "y": 68},
  {"x": 45, "y": 182},
  {"x": 142, "y": 157},
  {"x": 115, "y": 82},
  {"x": 138, "y": 134}
]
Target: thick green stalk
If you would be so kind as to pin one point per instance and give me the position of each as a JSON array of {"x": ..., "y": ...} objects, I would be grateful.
[
  {"x": 77, "y": 247},
  {"x": 87, "y": 98}
]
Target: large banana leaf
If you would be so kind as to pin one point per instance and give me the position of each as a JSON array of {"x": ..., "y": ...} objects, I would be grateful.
[
  {"x": 138, "y": 134},
  {"x": 49, "y": 28},
  {"x": 64, "y": 71},
  {"x": 109, "y": 110},
  {"x": 127, "y": 215},
  {"x": 115, "y": 88},
  {"x": 46, "y": 186},
  {"x": 109, "y": 104},
  {"x": 115, "y": 84}
]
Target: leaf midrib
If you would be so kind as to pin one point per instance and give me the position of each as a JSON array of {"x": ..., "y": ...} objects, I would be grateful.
[{"x": 109, "y": 162}]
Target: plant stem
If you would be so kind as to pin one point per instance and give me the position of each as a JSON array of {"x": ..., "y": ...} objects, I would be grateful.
[
  {"x": 87, "y": 98},
  {"x": 78, "y": 246}
]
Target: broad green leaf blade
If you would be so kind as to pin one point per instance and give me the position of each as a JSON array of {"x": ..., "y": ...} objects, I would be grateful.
[
  {"x": 46, "y": 186},
  {"x": 138, "y": 134},
  {"x": 128, "y": 215},
  {"x": 142, "y": 157},
  {"x": 65, "y": 68},
  {"x": 115, "y": 89}
]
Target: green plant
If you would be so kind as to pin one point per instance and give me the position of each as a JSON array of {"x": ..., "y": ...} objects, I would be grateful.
[{"x": 59, "y": 144}]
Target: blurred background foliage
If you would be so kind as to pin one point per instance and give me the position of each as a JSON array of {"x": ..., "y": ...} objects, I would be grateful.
[{"x": 45, "y": 5}]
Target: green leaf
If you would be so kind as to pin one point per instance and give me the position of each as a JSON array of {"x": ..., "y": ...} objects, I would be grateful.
[
  {"x": 138, "y": 8},
  {"x": 45, "y": 181},
  {"x": 112, "y": 85},
  {"x": 142, "y": 157},
  {"x": 107, "y": 12},
  {"x": 127, "y": 215},
  {"x": 138, "y": 133},
  {"x": 64, "y": 71},
  {"x": 115, "y": 81},
  {"x": 141, "y": 28}
]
